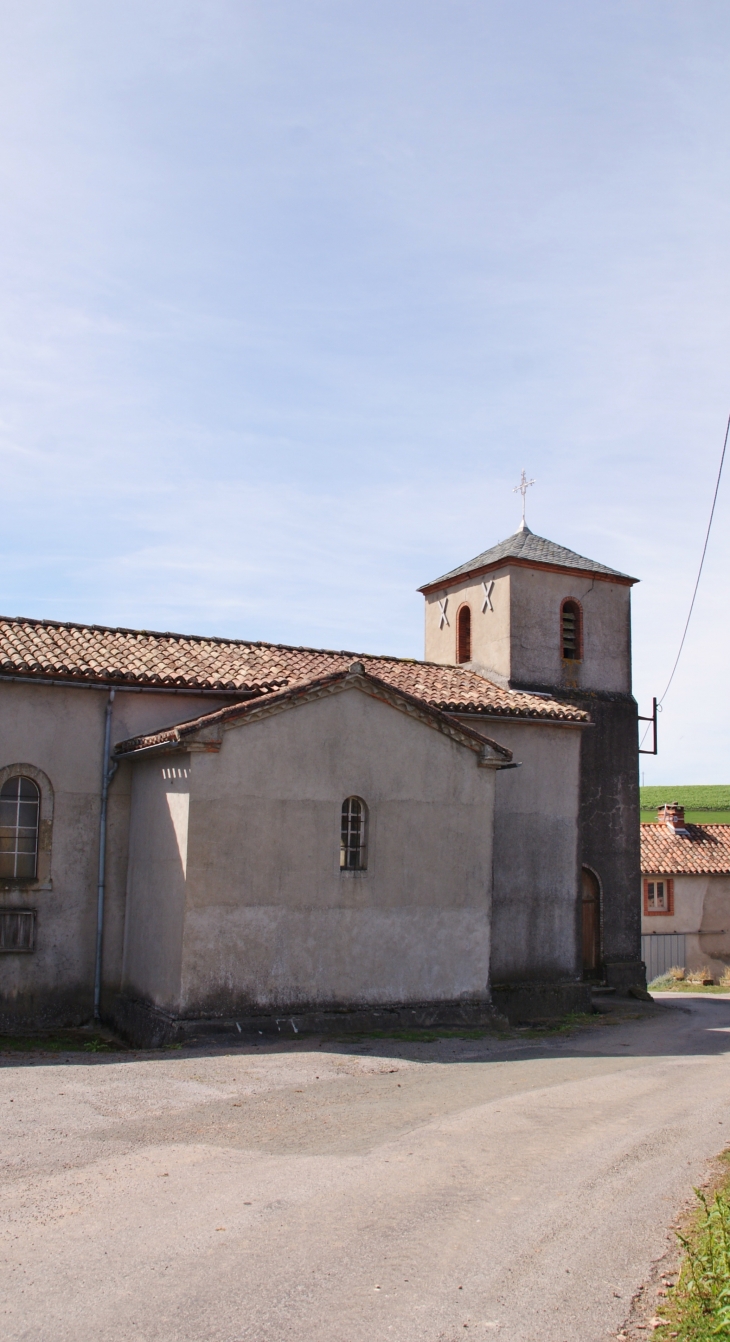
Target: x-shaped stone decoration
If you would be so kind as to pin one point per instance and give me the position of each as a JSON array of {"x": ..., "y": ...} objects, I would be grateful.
[
  {"x": 488, "y": 589},
  {"x": 442, "y": 607}
]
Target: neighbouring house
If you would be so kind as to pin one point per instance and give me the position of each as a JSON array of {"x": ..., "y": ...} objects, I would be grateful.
[
  {"x": 685, "y": 892},
  {"x": 209, "y": 830}
]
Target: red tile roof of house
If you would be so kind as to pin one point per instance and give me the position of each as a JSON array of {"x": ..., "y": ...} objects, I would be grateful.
[
  {"x": 304, "y": 692},
  {"x": 703, "y": 850},
  {"x": 48, "y": 650}
]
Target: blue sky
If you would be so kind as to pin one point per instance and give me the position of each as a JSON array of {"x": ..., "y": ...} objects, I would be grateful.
[{"x": 291, "y": 291}]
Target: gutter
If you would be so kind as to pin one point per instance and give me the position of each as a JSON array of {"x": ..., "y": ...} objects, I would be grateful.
[
  {"x": 517, "y": 718},
  {"x": 131, "y": 689}
]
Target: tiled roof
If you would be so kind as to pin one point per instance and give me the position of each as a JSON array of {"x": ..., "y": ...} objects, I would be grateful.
[
  {"x": 306, "y": 690},
  {"x": 48, "y": 650},
  {"x": 530, "y": 549},
  {"x": 703, "y": 850}
]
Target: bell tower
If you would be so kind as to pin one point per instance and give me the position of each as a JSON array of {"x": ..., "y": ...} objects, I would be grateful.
[{"x": 532, "y": 615}]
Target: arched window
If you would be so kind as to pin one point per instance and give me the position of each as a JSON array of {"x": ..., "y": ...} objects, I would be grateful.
[
  {"x": 19, "y": 815},
  {"x": 463, "y": 634},
  {"x": 571, "y": 631},
  {"x": 353, "y": 835}
]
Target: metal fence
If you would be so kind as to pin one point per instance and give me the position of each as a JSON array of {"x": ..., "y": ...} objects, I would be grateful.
[{"x": 660, "y": 951}]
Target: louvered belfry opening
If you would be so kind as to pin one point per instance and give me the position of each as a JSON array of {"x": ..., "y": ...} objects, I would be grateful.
[
  {"x": 571, "y": 633},
  {"x": 463, "y": 635}
]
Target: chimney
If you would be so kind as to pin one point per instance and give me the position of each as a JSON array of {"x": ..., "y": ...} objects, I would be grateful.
[{"x": 672, "y": 815}]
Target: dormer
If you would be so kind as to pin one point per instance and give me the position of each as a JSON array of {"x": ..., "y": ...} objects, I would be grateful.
[{"x": 529, "y": 613}]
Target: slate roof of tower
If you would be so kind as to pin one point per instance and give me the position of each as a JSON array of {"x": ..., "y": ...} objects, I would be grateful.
[
  {"x": 703, "y": 851},
  {"x": 528, "y": 548},
  {"x": 95, "y": 654}
]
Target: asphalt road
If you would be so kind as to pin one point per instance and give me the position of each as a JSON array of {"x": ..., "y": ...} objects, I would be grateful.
[{"x": 355, "y": 1193}]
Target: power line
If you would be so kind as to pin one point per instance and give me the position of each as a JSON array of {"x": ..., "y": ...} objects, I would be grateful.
[{"x": 699, "y": 573}]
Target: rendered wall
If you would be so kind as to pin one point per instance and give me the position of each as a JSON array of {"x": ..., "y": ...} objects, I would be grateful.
[
  {"x": 610, "y": 833},
  {"x": 490, "y": 627},
  {"x": 535, "y": 900},
  {"x": 536, "y": 599},
  {"x": 702, "y": 912},
  {"x": 61, "y": 732},
  {"x": 156, "y": 880},
  {"x": 518, "y": 642},
  {"x": 270, "y": 920}
]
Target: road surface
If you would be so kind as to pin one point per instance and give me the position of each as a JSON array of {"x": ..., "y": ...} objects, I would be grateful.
[{"x": 355, "y": 1192}]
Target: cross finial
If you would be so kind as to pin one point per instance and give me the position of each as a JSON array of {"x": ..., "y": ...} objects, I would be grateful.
[{"x": 522, "y": 489}]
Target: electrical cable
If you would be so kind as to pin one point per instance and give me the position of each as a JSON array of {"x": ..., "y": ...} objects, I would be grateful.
[{"x": 699, "y": 575}]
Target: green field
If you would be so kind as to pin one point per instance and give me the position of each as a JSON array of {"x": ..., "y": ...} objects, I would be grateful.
[{"x": 704, "y": 804}]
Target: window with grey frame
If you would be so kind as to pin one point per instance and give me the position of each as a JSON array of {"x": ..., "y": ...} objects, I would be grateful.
[
  {"x": 353, "y": 835},
  {"x": 20, "y": 801}
]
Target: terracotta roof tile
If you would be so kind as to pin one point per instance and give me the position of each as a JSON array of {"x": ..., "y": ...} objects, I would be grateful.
[
  {"x": 704, "y": 850},
  {"x": 46, "y": 649},
  {"x": 302, "y": 690}
]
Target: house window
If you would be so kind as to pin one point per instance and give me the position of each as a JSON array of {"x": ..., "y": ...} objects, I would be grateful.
[
  {"x": 659, "y": 895},
  {"x": 463, "y": 634},
  {"x": 19, "y": 814},
  {"x": 571, "y": 631},
  {"x": 353, "y": 835}
]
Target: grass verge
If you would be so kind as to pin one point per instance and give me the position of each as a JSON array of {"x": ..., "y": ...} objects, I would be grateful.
[
  {"x": 665, "y": 986},
  {"x": 562, "y": 1025},
  {"x": 697, "y": 1308},
  {"x": 414, "y": 1036},
  {"x": 679, "y": 980},
  {"x": 58, "y": 1041},
  {"x": 536, "y": 1030}
]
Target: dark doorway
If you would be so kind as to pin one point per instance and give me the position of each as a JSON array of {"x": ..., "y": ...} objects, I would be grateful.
[{"x": 591, "y": 909}]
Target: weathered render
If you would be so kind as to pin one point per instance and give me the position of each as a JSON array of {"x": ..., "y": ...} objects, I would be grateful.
[
  {"x": 515, "y": 621},
  {"x": 496, "y": 785},
  {"x": 236, "y": 901},
  {"x": 55, "y": 734},
  {"x": 536, "y": 854},
  {"x": 694, "y": 861},
  {"x": 515, "y": 594}
]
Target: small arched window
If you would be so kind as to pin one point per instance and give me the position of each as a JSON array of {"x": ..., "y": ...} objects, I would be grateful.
[
  {"x": 463, "y": 634},
  {"x": 19, "y": 816},
  {"x": 354, "y": 835},
  {"x": 571, "y": 631}
]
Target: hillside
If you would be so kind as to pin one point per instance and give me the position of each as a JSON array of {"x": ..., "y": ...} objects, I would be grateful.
[{"x": 703, "y": 803}]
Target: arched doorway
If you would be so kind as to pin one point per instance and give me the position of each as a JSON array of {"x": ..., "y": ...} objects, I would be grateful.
[{"x": 591, "y": 918}]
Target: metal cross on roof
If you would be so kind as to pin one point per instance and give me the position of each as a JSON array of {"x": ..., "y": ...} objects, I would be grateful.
[{"x": 522, "y": 489}]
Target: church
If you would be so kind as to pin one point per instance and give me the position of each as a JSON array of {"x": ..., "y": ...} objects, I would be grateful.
[{"x": 212, "y": 835}]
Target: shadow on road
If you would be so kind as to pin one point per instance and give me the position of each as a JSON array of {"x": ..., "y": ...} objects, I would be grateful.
[{"x": 670, "y": 1026}]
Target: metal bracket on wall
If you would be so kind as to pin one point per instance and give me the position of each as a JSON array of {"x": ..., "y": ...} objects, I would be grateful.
[{"x": 653, "y": 721}]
